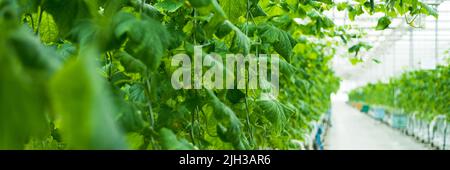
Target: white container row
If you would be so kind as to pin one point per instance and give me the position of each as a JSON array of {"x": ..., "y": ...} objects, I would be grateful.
[
  {"x": 315, "y": 139},
  {"x": 435, "y": 132}
]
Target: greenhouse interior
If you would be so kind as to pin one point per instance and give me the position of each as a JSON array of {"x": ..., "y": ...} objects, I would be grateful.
[
  {"x": 224, "y": 75},
  {"x": 397, "y": 51}
]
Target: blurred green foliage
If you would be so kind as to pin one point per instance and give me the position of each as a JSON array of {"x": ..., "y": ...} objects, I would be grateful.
[
  {"x": 95, "y": 74},
  {"x": 424, "y": 92}
]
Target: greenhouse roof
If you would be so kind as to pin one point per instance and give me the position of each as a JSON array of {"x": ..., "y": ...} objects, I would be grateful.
[{"x": 397, "y": 49}]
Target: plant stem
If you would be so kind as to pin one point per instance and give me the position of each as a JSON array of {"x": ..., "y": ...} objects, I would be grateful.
[
  {"x": 32, "y": 20},
  {"x": 41, "y": 12},
  {"x": 142, "y": 6},
  {"x": 249, "y": 128},
  {"x": 152, "y": 120},
  {"x": 192, "y": 127},
  {"x": 108, "y": 58}
]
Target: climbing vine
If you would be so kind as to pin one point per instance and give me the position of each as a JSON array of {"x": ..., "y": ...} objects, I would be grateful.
[{"x": 96, "y": 74}]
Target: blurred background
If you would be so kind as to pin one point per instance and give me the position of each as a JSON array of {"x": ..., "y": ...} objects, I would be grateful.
[{"x": 398, "y": 49}]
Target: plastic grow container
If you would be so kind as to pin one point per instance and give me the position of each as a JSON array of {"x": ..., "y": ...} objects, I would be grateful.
[
  {"x": 399, "y": 121},
  {"x": 438, "y": 131},
  {"x": 387, "y": 117},
  {"x": 423, "y": 132},
  {"x": 365, "y": 108},
  {"x": 446, "y": 139},
  {"x": 378, "y": 113},
  {"x": 413, "y": 125},
  {"x": 358, "y": 106}
]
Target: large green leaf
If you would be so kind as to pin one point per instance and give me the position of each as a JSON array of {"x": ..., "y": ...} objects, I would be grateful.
[
  {"x": 241, "y": 41},
  {"x": 229, "y": 124},
  {"x": 82, "y": 101},
  {"x": 282, "y": 42},
  {"x": 148, "y": 39},
  {"x": 276, "y": 112},
  {"x": 48, "y": 30},
  {"x": 67, "y": 14},
  {"x": 137, "y": 94},
  {"x": 129, "y": 115},
  {"x": 256, "y": 10},
  {"x": 234, "y": 9},
  {"x": 23, "y": 98},
  {"x": 31, "y": 52}
]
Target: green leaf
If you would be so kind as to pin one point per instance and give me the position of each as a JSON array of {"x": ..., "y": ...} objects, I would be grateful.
[
  {"x": 429, "y": 10},
  {"x": 282, "y": 41},
  {"x": 67, "y": 14},
  {"x": 376, "y": 61},
  {"x": 257, "y": 11},
  {"x": 170, "y": 5},
  {"x": 223, "y": 30},
  {"x": 173, "y": 118},
  {"x": 82, "y": 100},
  {"x": 354, "y": 11},
  {"x": 276, "y": 112},
  {"x": 229, "y": 123},
  {"x": 66, "y": 51},
  {"x": 233, "y": 9},
  {"x": 48, "y": 30},
  {"x": 135, "y": 140},
  {"x": 131, "y": 64},
  {"x": 137, "y": 94},
  {"x": 372, "y": 6},
  {"x": 285, "y": 67},
  {"x": 355, "y": 60},
  {"x": 128, "y": 115},
  {"x": 31, "y": 52},
  {"x": 235, "y": 95},
  {"x": 23, "y": 96},
  {"x": 169, "y": 141},
  {"x": 29, "y": 6},
  {"x": 383, "y": 23},
  {"x": 241, "y": 41},
  {"x": 200, "y": 3},
  {"x": 147, "y": 38},
  {"x": 147, "y": 9},
  {"x": 218, "y": 9},
  {"x": 358, "y": 47},
  {"x": 342, "y": 6},
  {"x": 216, "y": 25}
]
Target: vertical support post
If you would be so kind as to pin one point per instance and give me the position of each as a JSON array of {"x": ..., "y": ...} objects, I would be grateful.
[
  {"x": 411, "y": 48},
  {"x": 384, "y": 66},
  {"x": 394, "y": 65},
  {"x": 436, "y": 41}
]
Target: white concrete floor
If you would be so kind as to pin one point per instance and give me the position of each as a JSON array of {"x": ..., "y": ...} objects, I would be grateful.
[{"x": 353, "y": 130}]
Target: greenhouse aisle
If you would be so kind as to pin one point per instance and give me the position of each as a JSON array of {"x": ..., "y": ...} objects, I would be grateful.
[{"x": 352, "y": 130}]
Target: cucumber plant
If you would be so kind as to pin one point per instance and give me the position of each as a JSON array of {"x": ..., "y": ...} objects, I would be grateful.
[
  {"x": 422, "y": 92},
  {"x": 96, "y": 74}
]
